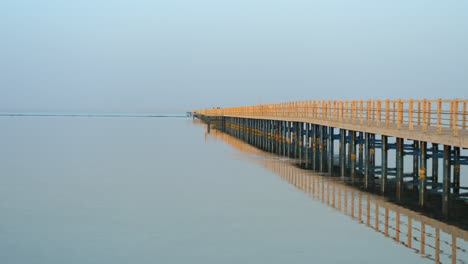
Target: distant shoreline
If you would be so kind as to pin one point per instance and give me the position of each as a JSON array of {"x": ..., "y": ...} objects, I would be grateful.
[{"x": 88, "y": 115}]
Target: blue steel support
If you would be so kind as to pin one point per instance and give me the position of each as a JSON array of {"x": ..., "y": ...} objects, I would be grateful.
[
  {"x": 456, "y": 170},
  {"x": 330, "y": 149},
  {"x": 300, "y": 139},
  {"x": 416, "y": 157},
  {"x": 321, "y": 147},
  {"x": 361, "y": 152},
  {"x": 446, "y": 181},
  {"x": 325, "y": 145},
  {"x": 343, "y": 151},
  {"x": 314, "y": 146},
  {"x": 399, "y": 168},
  {"x": 288, "y": 138},
  {"x": 367, "y": 161},
  {"x": 306, "y": 146},
  {"x": 353, "y": 156},
  {"x": 286, "y": 142},
  {"x": 422, "y": 174},
  {"x": 383, "y": 179},
  {"x": 435, "y": 165}
]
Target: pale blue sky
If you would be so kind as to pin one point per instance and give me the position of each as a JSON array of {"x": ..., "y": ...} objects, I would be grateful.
[{"x": 103, "y": 55}]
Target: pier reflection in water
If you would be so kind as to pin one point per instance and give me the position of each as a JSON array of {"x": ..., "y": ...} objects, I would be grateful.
[{"x": 431, "y": 238}]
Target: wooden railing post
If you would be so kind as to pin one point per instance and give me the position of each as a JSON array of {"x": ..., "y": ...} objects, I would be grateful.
[
  {"x": 464, "y": 116},
  {"x": 346, "y": 111},
  {"x": 400, "y": 114},
  {"x": 325, "y": 109},
  {"x": 439, "y": 116},
  {"x": 353, "y": 111},
  {"x": 319, "y": 110},
  {"x": 374, "y": 111},
  {"x": 361, "y": 110},
  {"x": 304, "y": 109},
  {"x": 387, "y": 113},
  {"x": 283, "y": 110},
  {"x": 368, "y": 113},
  {"x": 455, "y": 117},
  {"x": 290, "y": 109},
  {"x": 338, "y": 110},
  {"x": 314, "y": 109},
  {"x": 379, "y": 112},
  {"x": 424, "y": 112},
  {"x": 299, "y": 109},
  {"x": 410, "y": 113},
  {"x": 340, "y": 113},
  {"x": 429, "y": 114},
  {"x": 419, "y": 113},
  {"x": 450, "y": 117}
]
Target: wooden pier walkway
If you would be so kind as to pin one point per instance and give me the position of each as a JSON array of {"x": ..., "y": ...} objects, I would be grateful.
[
  {"x": 436, "y": 121},
  {"x": 307, "y": 130}
]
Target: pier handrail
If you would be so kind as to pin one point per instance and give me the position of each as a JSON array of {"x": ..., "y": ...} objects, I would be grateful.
[{"x": 428, "y": 116}]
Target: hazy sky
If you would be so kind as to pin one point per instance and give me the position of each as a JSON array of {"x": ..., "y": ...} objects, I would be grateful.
[{"x": 108, "y": 55}]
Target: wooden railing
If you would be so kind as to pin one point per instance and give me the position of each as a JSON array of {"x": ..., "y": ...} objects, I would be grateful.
[{"x": 421, "y": 115}]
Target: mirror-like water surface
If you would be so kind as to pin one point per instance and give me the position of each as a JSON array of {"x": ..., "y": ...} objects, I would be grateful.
[{"x": 162, "y": 190}]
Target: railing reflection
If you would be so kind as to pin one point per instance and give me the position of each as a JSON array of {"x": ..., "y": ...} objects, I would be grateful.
[{"x": 431, "y": 238}]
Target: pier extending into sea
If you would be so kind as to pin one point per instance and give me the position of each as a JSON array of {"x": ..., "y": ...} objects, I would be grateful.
[{"x": 432, "y": 132}]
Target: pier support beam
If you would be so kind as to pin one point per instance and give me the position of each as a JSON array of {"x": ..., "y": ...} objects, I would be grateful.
[
  {"x": 416, "y": 156},
  {"x": 283, "y": 138},
  {"x": 422, "y": 174},
  {"x": 323, "y": 147},
  {"x": 372, "y": 157},
  {"x": 353, "y": 156},
  {"x": 307, "y": 145},
  {"x": 330, "y": 149},
  {"x": 446, "y": 181},
  {"x": 342, "y": 152},
  {"x": 315, "y": 142},
  {"x": 456, "y": 170},
  {"x": 278, "y": 137},
  {"x": 265, "y": 135},
  {"x": 399, "y": 168},
  {"x": 361, "y": 152},
  {"x": 301, "y": 141},
  {"x": 435, "y": 165},
  {"x": 367, "y": 161},
  {"x": 290, "y": 140},
  {"x": 383, "y": 179},
  {"x": 296, "y": 139}
]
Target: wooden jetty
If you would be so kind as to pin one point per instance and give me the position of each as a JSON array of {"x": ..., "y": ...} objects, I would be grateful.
[{"x": 309, "y": 131}]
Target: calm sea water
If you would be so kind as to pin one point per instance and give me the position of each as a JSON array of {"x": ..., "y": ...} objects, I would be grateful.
[{"x": 162, "y": 190}]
